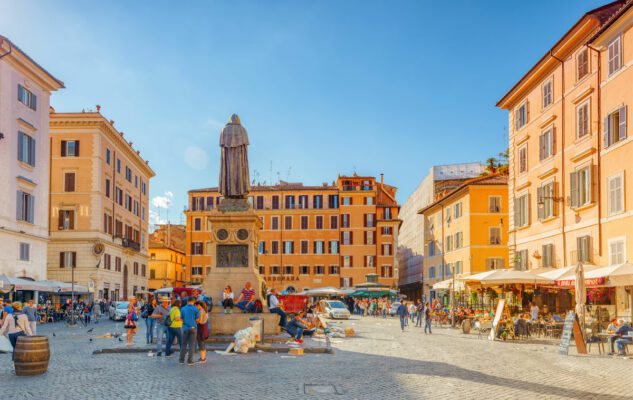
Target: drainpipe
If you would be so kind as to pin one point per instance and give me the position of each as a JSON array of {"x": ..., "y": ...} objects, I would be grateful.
[
  {"x": 562, "y": 154},
  {"x": 599, "y": 135}
]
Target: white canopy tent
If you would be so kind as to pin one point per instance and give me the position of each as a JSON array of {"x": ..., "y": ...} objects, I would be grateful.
[
  {"x": 565, "y": 273},
  {"x": 448, "y": 284},
  {"x": 506, "y": 277},
  {"x": 324, "y": 291}
]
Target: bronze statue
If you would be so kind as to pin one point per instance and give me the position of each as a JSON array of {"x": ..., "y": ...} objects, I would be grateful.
[{"x": 234, "y": 177}]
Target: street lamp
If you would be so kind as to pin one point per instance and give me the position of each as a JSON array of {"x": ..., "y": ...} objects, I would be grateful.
[{"x": 453, "y": 295}]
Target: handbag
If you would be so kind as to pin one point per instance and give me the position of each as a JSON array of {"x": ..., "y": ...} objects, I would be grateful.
[{"x": 5, "y": 345}]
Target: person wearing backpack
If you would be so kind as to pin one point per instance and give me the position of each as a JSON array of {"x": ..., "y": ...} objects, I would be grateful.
[
  {"x": 160, "y": 315},
  {"x": 16, "y": 325},
  {"x": 174, "y": 330}
]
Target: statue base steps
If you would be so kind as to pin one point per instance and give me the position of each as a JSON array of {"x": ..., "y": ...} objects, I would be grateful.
[{"x": 228, "y": 324}]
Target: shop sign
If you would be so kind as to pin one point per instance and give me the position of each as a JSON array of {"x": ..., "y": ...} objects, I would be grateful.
[{"x": 588, "y": 282}]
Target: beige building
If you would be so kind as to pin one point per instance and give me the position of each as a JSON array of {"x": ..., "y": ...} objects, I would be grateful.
[
  {"x": 98, "y": 206},
  {"x": 25, "y": 90}
]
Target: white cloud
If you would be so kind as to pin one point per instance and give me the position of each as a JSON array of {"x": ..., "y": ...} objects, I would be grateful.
[
  {"x": 214, "y": 124},
  {"x": 163, "y": 201},
  {"x": 155, "y": 218},
  {"x": 196, "y": 158}
]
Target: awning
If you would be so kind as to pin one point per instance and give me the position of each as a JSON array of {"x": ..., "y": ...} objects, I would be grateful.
[
  {"x": 17, "y": 284},
  {"x": 63, "y": 287},
  {"x": 324, "y": 291},
  {"x": 506, "y": 277},
  {"x": 615, "y": 275},
  {"x": 448, "y": 283},
  {"x": 565, "y": 273}
]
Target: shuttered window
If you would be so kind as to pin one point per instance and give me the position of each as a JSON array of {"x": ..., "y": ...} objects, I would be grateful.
[
  {"x": 615, "y": 194},
  {"x": 521, "y": 116},
  {"x": 548, "y": 255},
  {"x": 582, "y": 120},
  {"x": 614, "y": 59},
  {"x": 304, "y": 222},
  {"x": 522, "y": 211},
  {"x": 581, "y": 184},
  {"x": 615, "y": 127},
  {"x": 521, "y": 262},
  {"x": 27, "y": 97},
  {"x": 69, "y": 182},
  {"x": 68, "y": 259},
  {"x": 523, "y": 164},
  {"x": 26, "y": 149},
  {"x": 334, "y": 222},
  {"x": 25, "y": 208},
  {"x": 546, "y": 144},
  {"x": 25, "y": 251},
  {"x": 304, "y": 246},
  {"x": 545, "y": 201},
  {"x": 547, "y": 92},
  {"x": 583, "y": 248},
  {"x": 582, "y": 64},
  {"x": 66, "y": 220},
  {"x": 70, "y": 148}
]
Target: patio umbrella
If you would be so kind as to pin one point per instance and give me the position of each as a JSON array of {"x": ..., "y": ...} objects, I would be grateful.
[
  {"x": 581, "y": 295},
  {"x": 324, "y": 291}
]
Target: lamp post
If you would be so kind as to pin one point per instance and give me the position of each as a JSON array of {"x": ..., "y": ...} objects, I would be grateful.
[
  {"x": 453, "y": 295},
  {"x": 72, "y": 295}
]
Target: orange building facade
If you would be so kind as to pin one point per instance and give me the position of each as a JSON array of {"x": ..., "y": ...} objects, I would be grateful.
[{"x": 312, "y": 236}]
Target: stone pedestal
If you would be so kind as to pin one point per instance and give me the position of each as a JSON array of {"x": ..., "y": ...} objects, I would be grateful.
[{"x": 234, "y": 239}]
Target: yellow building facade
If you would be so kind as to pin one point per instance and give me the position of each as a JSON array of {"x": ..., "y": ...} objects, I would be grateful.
[
  {"x": 167, "y": 263},
  {"x": 99, "y": 204},
  {"x": 466, "y": 231}
]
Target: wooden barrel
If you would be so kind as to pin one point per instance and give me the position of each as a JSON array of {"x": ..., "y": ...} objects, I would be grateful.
[
  {"x": 31, "y": 355},
  {"x": 466, "y": 326}
]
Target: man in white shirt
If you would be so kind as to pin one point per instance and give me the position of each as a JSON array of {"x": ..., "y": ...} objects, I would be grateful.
[
  {"x": 534, "y": 310},
  {"x": 274, "y": 305}
]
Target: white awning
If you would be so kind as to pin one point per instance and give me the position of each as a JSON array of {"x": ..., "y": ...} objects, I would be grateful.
[{"x": 506, "y": 277}]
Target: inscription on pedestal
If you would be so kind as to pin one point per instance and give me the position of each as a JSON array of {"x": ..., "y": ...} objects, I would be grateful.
[{"x": 232, "y": 256}]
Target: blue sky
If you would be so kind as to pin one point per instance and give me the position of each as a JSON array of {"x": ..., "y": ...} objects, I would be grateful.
[{"x": 323, "y": 88}]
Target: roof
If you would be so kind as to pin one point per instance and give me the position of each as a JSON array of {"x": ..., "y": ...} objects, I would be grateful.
[
  {"x": 601, "y": 14},
  {"x": 486, "y": 180},
  {"x": 272, "y": 188},
  {"x": 612, "y": 18},
  {"x": 168, "y": 236},
  {"x": 14, "y": 47}
]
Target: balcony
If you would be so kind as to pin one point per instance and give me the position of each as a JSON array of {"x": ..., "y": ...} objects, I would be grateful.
[{"x": 130, "y": 244}]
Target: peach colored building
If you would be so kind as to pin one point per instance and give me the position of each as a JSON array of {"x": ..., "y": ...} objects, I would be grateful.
[
  {"x": 25, "y": 90},
  {"x": 466, "y": 231},
  {"x": 99, "y": 203},
  {"x": 570, "y": 158},
  {"x": 167, "y": 267},
  {"x": 312, "y": 236}
]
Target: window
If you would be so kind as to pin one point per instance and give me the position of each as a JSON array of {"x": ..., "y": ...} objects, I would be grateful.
[
  {"x": 546, "y": 90},
  {"x": 347, "y": 238},
  {"x": 196, "y": 248},
  {"x": 135, "y": 268},
  {"x": 197, "y": 224},
  {"x": 615, "y": 194},
  {"x": 118, "y": 165},
  {"x": 66, "y": 220},
  {"x": 107, "y": 188},
  {"x": 290, "y": 202},
  {"x": 522, "y": 211},
  {"x": 523, "y": 159},
  {"x": 546, "y": 144},
  {"x": 431, "y": 249},
  {"x": 494, "y": 204},
  {"x": 304, "y": 270},
  {"x": 369, "y": 237},
  {"x": 136, "y": 181},
  {"x": 25, "y": 207},
  {"x": 347, "y": 201},
  {"x": 387, "y": 213},
  {"x": 370, "y": 220},
  {"x": 275, "y": 203},
  {"x": 386, "y": 271},
  {"x": 262, "y": 247},
  {"x": 387, "y": 230},
  {"x": 289, "y": 247},
  {"x": 304, "y": 222},
  {"x": 545, "y": 201},
  {"x": 128, "y": 202},
  {"x": 613, "y": 55},
  {"x": 345, "y": 221},
  {"x": 143, "y": 187},
  {"x": 457, "y": 210},
  {"x": 25, "y": 251},
  {"x": 108, "y": 156},
  {"x": 107, "y": 261},
  {"x": 318, "y": 247},
  {"x": 274, "y": 247},
  {"x": 128, "y": 174},
  {"x": 118, "y": 195},
  {"x": 615, "y": 127},
  {"x": 70, "y": 148},
  {"x": 582, "y": 64},
  {"x": 494, "y": 263},
  {"x": 118, "y": 228},
  {"x": 333, "y": 270},
  {"x": 69, "y": 182},
  {"x": 347, "y": 262},
  {"x": 458, "y": 267},
  {"x": 319, "y": 270},
  {"x": 548, "y": 255},
  {"x": 332, "y": 201},
  {"x": 289, "y": 270},
  {"x": 67, "y": 259},
  {"x": 288, "y": 222},
  {"x": 583, "y": 248},
  {"x": 369, "y": 200},
  {"x": 431, "y": 272},
  {"x": 117, "y": 264},
  {"x": 319, "y": 222},
  {"x": 334, "y": 222},
  {"x": 370, "y": 261},
  {"x": 448, "y": 243},
  {"x": 274, "y": 223},
  {"x": 26, "y": 149},
  {"x": 386, "y": 249},
  {"x": 520, "y": 116},
  {"x": 262, "y": 270},
  {"x": 617, "y": 251},
  {"x": 449, "y": 218},
  {"x": 27, "y": 97},
  {"x": 305, "y": 245},
  {"x": 459, "y": 240},
  {"x": 196, "y": 271},
  {"x": 495, "y": 235},
  {"x": 581, "y": 187},
  {"x": 259, "y": 202},
  {"x": 582, "y": 120},
  {"x": 317, "y": 201},
  {"x": 333, "y": 247}
]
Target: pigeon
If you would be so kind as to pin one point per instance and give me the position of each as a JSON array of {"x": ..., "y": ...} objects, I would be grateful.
[
  {"x": 120, "y": 340},
  {"x": 91, "y": 329},
  {"x": 91, "y": 339},
  {"x": 54, "y": 334}
]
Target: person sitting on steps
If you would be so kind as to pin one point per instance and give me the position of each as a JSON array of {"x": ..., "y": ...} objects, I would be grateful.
[{"x": 246, "y": 300}]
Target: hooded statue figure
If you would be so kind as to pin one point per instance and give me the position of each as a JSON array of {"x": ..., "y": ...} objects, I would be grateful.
[{"x": 234, "y": 177}]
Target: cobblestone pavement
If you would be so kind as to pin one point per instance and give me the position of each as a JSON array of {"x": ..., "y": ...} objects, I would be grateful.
[{"x": 381, "y": 362}]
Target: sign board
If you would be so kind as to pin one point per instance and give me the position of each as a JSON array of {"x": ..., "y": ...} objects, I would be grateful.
[
  {"x": 571, "y": 327},
  {"x": 588, "y": 282},
  {"x": 495, "y": 321}
]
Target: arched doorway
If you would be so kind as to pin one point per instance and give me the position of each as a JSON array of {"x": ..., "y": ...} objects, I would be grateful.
[{"x": 125, "y": 295}]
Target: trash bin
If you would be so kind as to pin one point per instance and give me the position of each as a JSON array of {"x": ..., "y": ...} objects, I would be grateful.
[{"x": 257, "y": 324}]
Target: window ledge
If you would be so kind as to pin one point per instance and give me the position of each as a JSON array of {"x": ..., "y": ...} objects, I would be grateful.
[
  {"x": 616, "y": 146},
  {"x": 521, "y": 228},
  {"x": 548, "y": 219},
  {"x": 584, "y": 207}
]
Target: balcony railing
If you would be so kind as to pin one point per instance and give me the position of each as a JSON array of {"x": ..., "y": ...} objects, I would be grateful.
[{"x": 130, "y": 244}]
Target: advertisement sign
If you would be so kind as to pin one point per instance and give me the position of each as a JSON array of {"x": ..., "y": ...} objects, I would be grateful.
[{"x": 588, "y": 282}]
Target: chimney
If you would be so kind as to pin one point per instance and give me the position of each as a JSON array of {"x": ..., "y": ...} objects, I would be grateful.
[{"x": 382, "y": 177}]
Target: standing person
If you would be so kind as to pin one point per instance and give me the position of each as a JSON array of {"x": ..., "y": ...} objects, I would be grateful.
[
  {"x": 130, "y": 322},
  {"x": 419, "y": 311},
  {"x": 274, "y": 306},
  {"x": 227, "y": 299},
  {"x": 174, "y": 330},
  {"x": 202, "y": 333},
  {"x": 31, "y": 313},
  {"x": 150, "y": 323},
  {"x": 16, "y": 325},
  {"x": 534, "y": 310},
  {"x": 87, "y": 313},
  {"x": 412, "y": 311},
  {"x": 403, "y": 314},
  {"x": 96, "y": 310},
  {"x": 246, "y": 301},
  {"x": 190, "y": 316},
  {"x": 427, "y": 318},
  {"x": 160, "y": 314}
]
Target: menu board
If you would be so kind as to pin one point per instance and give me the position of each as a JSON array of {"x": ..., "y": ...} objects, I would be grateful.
[
  {"x": 565, "y": 337},
  {"x": 495, "y": 321}
]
